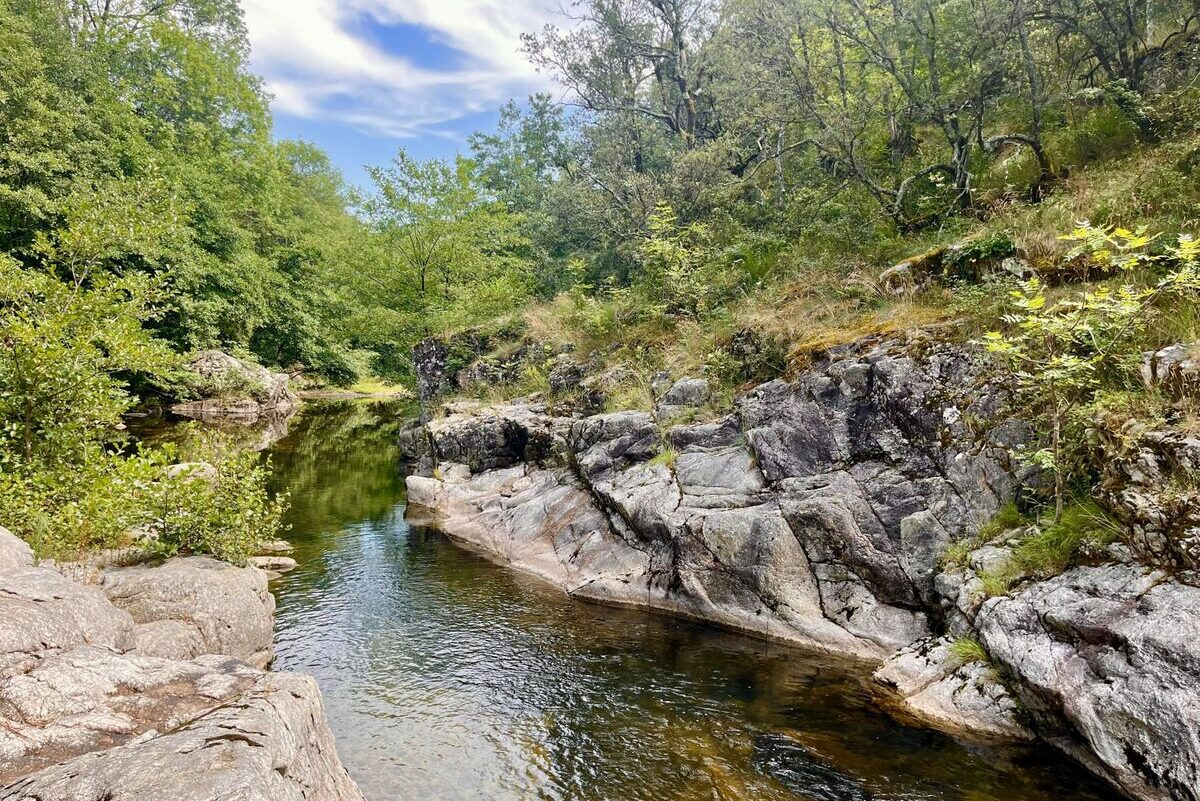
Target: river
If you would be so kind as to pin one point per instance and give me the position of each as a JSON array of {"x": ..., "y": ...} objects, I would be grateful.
[{"x": 449, "y": 677}]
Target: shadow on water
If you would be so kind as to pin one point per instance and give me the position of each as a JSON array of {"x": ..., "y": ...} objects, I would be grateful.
[{"x": 449, "y": 677}]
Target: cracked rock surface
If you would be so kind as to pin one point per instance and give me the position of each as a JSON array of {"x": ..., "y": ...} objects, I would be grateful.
[
  {"x": 814, "y": 513},
  {"x": 1108, "y": 659},
  {"x": 157, "y": 703},
  {"x": 196, "y": 605},
  {"x": 819, "y": 512}
]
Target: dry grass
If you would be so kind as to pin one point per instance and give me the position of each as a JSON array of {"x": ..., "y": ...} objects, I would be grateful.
[{"x": 903, "y": 315}]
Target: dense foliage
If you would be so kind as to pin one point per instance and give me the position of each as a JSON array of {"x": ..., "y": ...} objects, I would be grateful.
[{"x": 719, "y": 189}]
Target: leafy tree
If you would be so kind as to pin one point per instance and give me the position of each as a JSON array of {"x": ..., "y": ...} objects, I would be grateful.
[
  {"x": 1059, "y": 351},
  {"x": 526, "y": 154},
  {"x": 638, "y": 58},
  {"x": 461, "y": 256}
]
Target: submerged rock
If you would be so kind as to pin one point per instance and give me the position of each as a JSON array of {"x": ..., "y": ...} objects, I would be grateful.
[{"x": 803, "y": 772}]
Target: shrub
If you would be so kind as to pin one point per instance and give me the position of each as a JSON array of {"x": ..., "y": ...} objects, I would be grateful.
[
  {"x": 222, "y": 508},
  {"x": 64, "y": 513}
]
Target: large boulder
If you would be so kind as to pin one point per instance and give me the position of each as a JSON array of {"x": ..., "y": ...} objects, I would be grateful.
[
  {"x": 90, "y": 698},
  {"x": 43, "y": 611},
  {"x": 817, "y": 512},
  {"x": 430, "y": 362},
  {"x": 1113, "y": 654},
  {"x": 877, "y": 470},
  {"x": 86, "y": 715},
  {"x": 541, "y": 521},
  {"x": 269, "y": 742},
  {"x": 196, "y": 605},
  {"x": 230, "y": 387},
  {"x": 490, "y": 437}
]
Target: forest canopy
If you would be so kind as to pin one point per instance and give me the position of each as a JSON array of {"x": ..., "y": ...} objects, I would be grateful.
[{"x": 134, "y": 140}]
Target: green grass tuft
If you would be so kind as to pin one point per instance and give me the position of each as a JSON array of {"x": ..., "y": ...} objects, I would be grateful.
[
  {"x": 1007, "y": 518},
  {"x": 968, "y": 649},
  {"x": 665, "y": 457},
  {"x": 1054, "y": 547}
]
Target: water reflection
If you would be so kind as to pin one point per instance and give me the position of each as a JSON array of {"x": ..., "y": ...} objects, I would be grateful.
[{"x": 447, "y": 677}]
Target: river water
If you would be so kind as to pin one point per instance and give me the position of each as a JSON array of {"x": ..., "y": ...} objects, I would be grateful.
[{"x": 448, "y": 677}]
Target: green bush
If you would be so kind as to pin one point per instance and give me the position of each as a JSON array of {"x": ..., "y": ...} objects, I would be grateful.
[
  {"x": 222, "y": 508},
  {"x": 65, "y": 513}
]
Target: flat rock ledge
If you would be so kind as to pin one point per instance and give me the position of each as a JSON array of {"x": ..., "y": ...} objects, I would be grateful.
[
  {"x": 819, "y": 511},
  {"x": 147, "y": 685}
]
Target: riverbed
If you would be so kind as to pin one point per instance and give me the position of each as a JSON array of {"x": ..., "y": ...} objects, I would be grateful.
[{"x": 447, "y": 676}]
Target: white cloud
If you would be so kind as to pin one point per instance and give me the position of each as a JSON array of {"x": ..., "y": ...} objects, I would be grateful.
[{"x": 319, "y": 64}]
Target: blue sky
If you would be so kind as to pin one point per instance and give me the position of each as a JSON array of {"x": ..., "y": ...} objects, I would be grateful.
[{"x": 364, "y": 77}]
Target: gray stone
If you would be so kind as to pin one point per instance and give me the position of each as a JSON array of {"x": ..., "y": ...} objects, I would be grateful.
[
  {"x": 938, "y": 689},
  {"x": 684, "y": 395},
  {"x": 271, "y": 744},
  {"x": 274, "y": 563},
  {"x": 430, "y": 358},
  {"x": 14, "y": 551},
  {"x": 1114, "y": 653},
  {"x": 565, "y": 375},
  {"x": 196, "y": 605},
  {"x": 539, "y": 521},
  {"x": 923, "y": 539},
  {"x": 85, "y": 717},
  {"x": 1174, "y": 370},
  {"x": 91, "y": 698},
  {"x": 42, "y": 610},
  {"x": 234, "y": 387},
  {"x": 1147, "y": 482},
  {"x": 687, "y": 392},
  {"x": 489, "y": 438}
]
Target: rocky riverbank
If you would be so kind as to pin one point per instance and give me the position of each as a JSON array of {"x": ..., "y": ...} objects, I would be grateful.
[
  {"x": 149, "y": 682},
  {"x": 820, "y": 511}
]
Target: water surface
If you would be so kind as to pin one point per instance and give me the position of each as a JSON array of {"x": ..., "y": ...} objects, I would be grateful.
[{"x": 448, "y": 677}]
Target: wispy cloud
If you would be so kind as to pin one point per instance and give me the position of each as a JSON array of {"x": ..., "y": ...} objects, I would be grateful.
[{"x": 326, "y": 60}]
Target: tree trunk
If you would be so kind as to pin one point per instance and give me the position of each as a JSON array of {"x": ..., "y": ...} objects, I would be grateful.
[{"x": 1059, "y": 481}]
